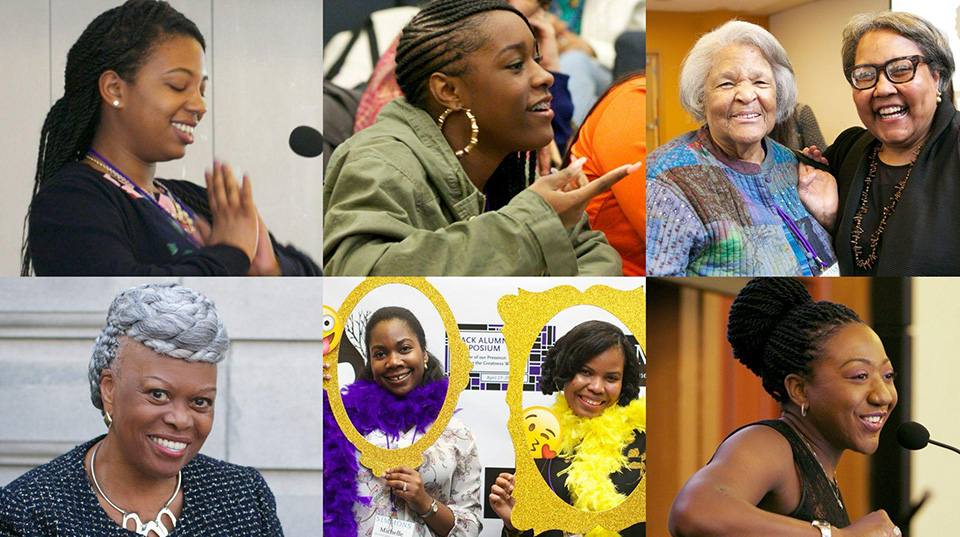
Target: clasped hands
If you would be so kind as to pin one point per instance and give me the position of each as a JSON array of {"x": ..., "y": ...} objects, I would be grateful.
[{"x": 236, "y": 221}]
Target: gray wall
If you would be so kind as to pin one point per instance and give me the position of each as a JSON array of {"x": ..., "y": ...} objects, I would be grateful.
[
  {"x": 264, "y": 62},
  {"x": 268, "y": 405}
]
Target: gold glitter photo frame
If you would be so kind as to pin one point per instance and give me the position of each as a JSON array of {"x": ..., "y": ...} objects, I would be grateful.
[
  {"x": 524, "y": 316},
  {"x": 376, "y": 458}
]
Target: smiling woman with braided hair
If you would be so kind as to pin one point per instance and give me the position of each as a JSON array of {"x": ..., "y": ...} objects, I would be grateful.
[
  {"x": 443, "y": 182},
  {"x": 133, "y": 94},
  {"x": 153, "y": 377},
  {"x": 829, "y": 372}
]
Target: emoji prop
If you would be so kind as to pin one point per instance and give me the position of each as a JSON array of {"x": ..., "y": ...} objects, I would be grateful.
[
  {"x": 544, "y": 432},
  {"x": 332, "y": 329},
  {"x": 524, "y": 316}
]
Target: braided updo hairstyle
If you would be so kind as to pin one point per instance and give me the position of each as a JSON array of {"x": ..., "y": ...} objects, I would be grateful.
[
  {"x": 165, "y": 317},
  {"x": 776, "y": 329},
  {"x": 439, "y": 39},
  {"x": 119, "y": 40}
]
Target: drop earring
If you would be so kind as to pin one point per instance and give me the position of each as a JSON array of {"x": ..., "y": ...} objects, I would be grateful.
[
  {"x": 107, "y": 419},
  {"x": 939, "y": 98}
]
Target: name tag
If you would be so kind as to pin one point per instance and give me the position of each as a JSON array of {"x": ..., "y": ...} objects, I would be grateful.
[
  {"x": 385, "y": 526},
  {"x": 832, "y": 270}
]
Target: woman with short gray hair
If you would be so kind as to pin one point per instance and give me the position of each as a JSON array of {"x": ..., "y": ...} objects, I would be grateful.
[
  {"x": 722, "y": 200},
  {"x": 153, "y": 376},
  {"x": 897, "y": 179}
]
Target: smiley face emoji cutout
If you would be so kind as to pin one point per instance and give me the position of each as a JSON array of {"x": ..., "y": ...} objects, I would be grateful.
[
  {"x": 332, "y": 329},
  {"x": 543, "y": 432}
]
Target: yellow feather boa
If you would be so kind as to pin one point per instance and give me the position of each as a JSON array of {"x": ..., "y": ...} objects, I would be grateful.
[{"x": 596, "y": 446}]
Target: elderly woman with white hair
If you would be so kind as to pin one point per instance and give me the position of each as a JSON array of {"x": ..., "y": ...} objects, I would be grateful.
[
  {"x": 722, "y": 200},
  {"x": 153, "y": 376}
]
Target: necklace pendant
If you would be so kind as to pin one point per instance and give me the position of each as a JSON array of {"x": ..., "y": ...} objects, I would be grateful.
[{"x": 155, "y": 527}]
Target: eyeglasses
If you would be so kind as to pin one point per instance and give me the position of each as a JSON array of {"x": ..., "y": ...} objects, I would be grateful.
[{"x": 898, "y": 71}]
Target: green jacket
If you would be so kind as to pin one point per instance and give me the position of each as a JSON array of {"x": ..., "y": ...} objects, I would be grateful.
[{"x": 396, "y": 202}]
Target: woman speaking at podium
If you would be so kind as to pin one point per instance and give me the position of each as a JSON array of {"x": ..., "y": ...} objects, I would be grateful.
[{"x": 834, "y": 382}]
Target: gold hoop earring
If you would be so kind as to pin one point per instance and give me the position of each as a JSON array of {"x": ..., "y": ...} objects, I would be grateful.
[
  {"x": 107, "y": 420},
  {"x": 474, "y": 129},
  {"x": 803, "y": 410}
]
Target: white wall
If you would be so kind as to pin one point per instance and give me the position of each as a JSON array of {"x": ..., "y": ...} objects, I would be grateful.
[
  {"x": 268, "y": 411},
  {"x": 811, "y": 35},
  {"x": 936, "y": 373},
  {"x": 944, "y": 14},
  {"x": 264, "y": 62}
]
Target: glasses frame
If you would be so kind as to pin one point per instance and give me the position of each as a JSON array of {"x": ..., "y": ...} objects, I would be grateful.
[{"x": 915, "y": 60}]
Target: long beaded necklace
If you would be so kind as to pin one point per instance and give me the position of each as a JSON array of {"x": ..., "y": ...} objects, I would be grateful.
[
  {"x": 181, "y": 215},
  {"x": 155, "y": 526},
  {"x": 887, "y": 211},
  {"x": 833, "y": 482}
]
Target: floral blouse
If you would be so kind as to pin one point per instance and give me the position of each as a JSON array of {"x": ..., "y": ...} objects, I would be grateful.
[{"x": 451, "y": 474}]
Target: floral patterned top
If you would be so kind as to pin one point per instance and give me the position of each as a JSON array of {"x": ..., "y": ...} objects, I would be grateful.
[{"x": 451, "y": 474}]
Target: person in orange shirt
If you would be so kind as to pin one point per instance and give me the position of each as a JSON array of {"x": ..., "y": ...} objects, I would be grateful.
[{"x": 614, "y": 134}]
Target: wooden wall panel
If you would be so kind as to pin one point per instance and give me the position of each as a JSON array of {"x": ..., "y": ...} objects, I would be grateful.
[{"x": 699, "y": 393}]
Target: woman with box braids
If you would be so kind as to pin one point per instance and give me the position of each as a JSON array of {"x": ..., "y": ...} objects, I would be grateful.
[
  {"x": 133, "y": 93},
  {"x": 119, "y": 39},
  {"x": 446, "y": 170},
  {"x": 829, "y": 372}
]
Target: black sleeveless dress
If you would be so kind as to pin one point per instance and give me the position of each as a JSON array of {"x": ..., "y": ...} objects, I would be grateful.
[{"x": 819, "y": 499}]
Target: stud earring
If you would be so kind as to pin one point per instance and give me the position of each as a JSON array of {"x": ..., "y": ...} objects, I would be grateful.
[
  {"x": 116, "y": 103},
  {"x": 107, "y": 419},
  {"x": 803, "y": 410},
  {"x": 939, "y": 97},
  {"x": 474, "y": 129}
]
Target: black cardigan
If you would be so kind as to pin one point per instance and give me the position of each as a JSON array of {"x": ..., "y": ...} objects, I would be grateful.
[
  {"x": 83, "y": 225},
  {"x": 922, "y": 237}
]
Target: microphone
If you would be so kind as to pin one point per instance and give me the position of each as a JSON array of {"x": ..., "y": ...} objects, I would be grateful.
[
  {"x": 306, "y": 141},
  {"x": 912, "y": 435}
]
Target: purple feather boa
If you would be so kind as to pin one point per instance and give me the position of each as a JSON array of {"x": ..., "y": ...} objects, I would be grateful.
[{"x": 370, "y": 408}]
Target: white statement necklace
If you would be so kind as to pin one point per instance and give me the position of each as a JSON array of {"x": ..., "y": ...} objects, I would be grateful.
[{"x": 152, "y": 526}]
